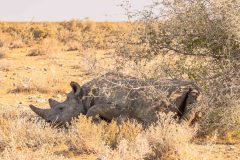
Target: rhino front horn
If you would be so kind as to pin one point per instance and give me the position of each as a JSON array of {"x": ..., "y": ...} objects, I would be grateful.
[{"x": 41, "y": 112}]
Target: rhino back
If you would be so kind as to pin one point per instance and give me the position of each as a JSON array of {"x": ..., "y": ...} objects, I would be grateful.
[{"x": 141, "y": 99}]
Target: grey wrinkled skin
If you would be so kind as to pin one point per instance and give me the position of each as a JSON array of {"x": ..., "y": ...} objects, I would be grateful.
[{"x": 119, "y": 97}]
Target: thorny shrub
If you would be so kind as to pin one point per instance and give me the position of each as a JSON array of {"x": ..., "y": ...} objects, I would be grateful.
[{"x": 191, "y": 39}]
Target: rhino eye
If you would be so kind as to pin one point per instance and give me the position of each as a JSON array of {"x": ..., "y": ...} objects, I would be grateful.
[{"x": 61, "y": 108}]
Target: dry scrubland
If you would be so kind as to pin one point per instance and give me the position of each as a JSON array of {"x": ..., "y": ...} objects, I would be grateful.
[{"x": 38, "y": 61}]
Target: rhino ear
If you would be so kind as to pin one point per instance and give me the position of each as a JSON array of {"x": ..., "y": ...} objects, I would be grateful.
[{"x": 76, "y": 88}]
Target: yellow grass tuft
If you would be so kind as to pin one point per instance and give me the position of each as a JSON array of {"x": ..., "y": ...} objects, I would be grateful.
[{"x": 22, "y": 137}]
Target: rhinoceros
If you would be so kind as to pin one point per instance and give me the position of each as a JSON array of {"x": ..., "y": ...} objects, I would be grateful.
[{"x": 117, "y": 96}]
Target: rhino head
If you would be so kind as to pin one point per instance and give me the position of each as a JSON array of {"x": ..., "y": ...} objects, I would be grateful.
[{"x": 61, "y": 113}]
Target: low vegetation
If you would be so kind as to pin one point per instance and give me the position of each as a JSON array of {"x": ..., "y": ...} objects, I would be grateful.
[
  {"x": 191, "y": 40},
  {"x": 164, "y": 140},
  {"x": 73, "y": 35},
  {"x": 2, "y": 53},
  {"x": 196, "y": 40}
]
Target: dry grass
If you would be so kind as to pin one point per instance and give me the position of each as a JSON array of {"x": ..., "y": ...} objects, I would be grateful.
[
  {"x": 2, "y": 52},
  {"x": 74, "y": 35},
  {"x": 22, "y": 138},
  {"x": 36, "y": 52},
  {"x": 48, "y": 47},
  {"x": 16, "y": 44},
  {"x": 34, "y": 84},
  {"x": 4, "y": 65},
  {"x": 35, "y": 89},
  {"x": 223, "y": 121},
  {"x": 73, "y": 46},
  {"x": 5, "y": 40}
]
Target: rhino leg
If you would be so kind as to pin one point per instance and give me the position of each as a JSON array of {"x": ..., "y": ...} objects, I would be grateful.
[
  {"x": 104, "y": 111},
  {"x": 191, "y": 110}
]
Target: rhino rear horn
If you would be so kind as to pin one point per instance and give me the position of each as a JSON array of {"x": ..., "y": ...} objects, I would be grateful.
[
  {"x": 53, "y": 103},
  {"x": 77, "y": 90}
]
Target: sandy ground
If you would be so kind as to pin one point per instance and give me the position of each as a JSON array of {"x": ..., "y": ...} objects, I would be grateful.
[{"x": 55, "y": 72}]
